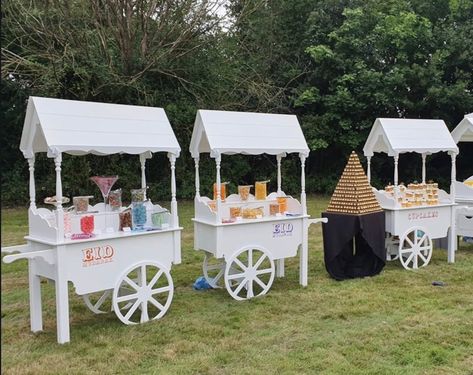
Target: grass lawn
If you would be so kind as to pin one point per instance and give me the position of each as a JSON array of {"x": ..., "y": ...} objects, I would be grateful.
[{"x": 394, "y": 323}]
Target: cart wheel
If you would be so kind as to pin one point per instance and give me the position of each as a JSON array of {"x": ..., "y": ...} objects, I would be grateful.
[
  {"x": 249, "y": 273},
  {"x": 415, "y": 248},
  {"x": 99, "y": 303},
  {"x": 214, "y": 269},
  {"x": 392, "y": 247},
  {"x": 147, "y": 298}
]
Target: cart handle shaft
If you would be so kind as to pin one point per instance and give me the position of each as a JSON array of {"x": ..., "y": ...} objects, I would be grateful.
[
  {"x": 16, "y": 249},
  {"x": 47, "y": 255},
  {"x": 315, "y": 221}
]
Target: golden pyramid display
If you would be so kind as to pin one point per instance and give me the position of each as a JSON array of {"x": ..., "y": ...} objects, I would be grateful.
[{"x": 353, "y": 194}]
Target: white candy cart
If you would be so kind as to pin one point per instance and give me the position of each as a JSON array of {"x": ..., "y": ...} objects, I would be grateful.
[
  {"x": 130, "y": 269},
  {"x": 245, "y": 255},
  {"x": 464, "y": 190},
  {"x": 410, "y": 230}
]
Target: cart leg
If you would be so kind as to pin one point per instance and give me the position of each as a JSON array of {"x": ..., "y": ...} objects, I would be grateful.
[
  {"x": 62, "y": 310},
  {"x": 303, "y": 264},
  {"x": 280, "y": 267},
  {"x": 36, "y": 314},
  {"x": 452, "y": 242}
]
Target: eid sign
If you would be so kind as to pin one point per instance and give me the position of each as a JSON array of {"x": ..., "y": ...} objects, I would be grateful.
[
  {"x": 94, "y": 256},
  {"x": 282, "y": 230}
]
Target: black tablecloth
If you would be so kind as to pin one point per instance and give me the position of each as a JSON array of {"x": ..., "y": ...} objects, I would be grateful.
[{"x": 368, "y": 233}]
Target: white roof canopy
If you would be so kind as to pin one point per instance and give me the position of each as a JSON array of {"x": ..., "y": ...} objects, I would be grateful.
[
  {"x": 78, "y": 128},
  {"x": 394, "y": 136},
  {"x": 464, "y": 130},
  {"x": 223, "y": 132}
]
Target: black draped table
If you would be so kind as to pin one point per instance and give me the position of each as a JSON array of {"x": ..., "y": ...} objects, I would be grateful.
[{"x": 367, "y": 257}]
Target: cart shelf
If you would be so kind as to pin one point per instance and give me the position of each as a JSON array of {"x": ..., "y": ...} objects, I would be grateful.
[
  {"x": 264, "y": 219},
  {"x": 104, "y": 236}
]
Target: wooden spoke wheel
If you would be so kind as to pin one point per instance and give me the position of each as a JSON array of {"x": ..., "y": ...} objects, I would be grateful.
[
  {"x": 392, "y": 247},
  {"x": 249, "y": 273},
  {"x": 214, "y": 270},
  {"x": 415, "y": 248},
  {"x": 100, "y": 302},
  {"x": 143, "y": 292}
]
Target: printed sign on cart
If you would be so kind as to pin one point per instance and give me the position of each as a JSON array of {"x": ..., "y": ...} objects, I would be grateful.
[
  {"x": 96, "y": 255},
  {"x": 423, "y": 215},
  {"x": 282, "y": 230}
]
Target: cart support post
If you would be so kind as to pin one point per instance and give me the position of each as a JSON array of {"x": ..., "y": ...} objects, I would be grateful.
[
  {"x": 36, "y": 314},
  {"x": 396, "y": 176},
  {"x": 278, "y": 159},
  {"x": 197, "y": 177},
  {"x": 32, "y": 182},
  {"x": 175, "y": 217},
  {"x": 280, "y": 267},
  {"x": 62, "y": 299},
  {"x": 368, "y": 168},
  {"x": 453, "y": 177},
  {"x": 304, "y": 254},
  {"x": 303, "y": 197},
  {"x": 279, "y": 262},
  {"x": 59, "y": 210},
  {"x": 143, "y": 173},
  {"x": 396, "y": 173},
  {"x": 452, "y": 238},
  {"x": 218, "y": 160},
  {"x": 424, "y": 157}
]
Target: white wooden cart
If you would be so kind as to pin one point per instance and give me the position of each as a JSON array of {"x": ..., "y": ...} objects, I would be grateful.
[
  {"x": 133, "y": 268},
  {"x": 241, "y": 255},
  {"x": 464, "y": 193},
  {"x": 410, "y": 230}
]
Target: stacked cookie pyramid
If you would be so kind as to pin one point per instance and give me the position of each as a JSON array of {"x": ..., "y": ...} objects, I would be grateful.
[{"x": 353, "y": 194}]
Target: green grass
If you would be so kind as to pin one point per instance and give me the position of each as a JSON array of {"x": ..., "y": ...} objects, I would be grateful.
[{"x": 394, "y": 323}]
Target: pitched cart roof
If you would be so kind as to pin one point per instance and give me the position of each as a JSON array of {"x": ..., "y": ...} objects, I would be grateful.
[
  {"x": 464, "y": 130},
  {"x": 78, "y": 128},
  {"x": 353, "y": 194},
  {"x": 223, "y": 132},
  {"x": 394, "y": 136}
]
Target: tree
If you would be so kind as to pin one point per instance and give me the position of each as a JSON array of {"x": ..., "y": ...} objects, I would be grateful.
[{"x": 384, "y": 59}]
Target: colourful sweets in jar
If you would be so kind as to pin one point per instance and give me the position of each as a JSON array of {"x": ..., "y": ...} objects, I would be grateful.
[
  {"x": 125, "y": 219},
  {"x": 235, "y": 212},
  {"x": 282, "y": 201},
  {"x": 260, "y": 190},
  {"x": 115, "y": 199},
  {"x": 81, "y": 204},
  {"x": 274, "y": 209},
  {"x": 138, "y": 215},
  {"x": 223, "y": 191},
  {"x": 244, "y": 192},
  {"x": 87, "y": 224},
  {"x": 138, "y": 195}
]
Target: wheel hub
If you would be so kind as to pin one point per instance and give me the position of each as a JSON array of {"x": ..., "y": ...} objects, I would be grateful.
[{"x": 250, "y": 273}]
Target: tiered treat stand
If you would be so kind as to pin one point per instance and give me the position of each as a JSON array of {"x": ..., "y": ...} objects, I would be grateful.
[
  {"x": 354, "y": 234},
  {"x": 245, "y": 255},
  {"x": 130, "y": 268},
  {"x": 410, "y": 230}
]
